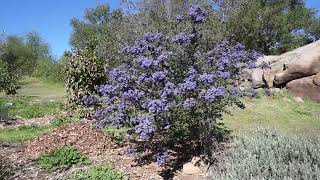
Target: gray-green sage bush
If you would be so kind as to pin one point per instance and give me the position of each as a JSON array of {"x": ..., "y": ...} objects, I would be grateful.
[{"x": 272, "y": 155}]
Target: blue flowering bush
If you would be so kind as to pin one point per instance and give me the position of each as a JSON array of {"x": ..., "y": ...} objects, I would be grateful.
[{"x": 172, "y": 90}]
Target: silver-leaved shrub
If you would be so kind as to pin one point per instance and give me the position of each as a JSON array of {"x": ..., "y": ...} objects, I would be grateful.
[{"x": 268, "y": 154}]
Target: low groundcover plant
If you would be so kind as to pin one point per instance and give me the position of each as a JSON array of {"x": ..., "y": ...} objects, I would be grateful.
[
  {"x": 99, "y": 172},
  {"x": 61, "y": 158}
]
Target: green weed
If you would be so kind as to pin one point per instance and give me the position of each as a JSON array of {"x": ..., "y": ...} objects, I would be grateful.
[
  {"x": 61, "y": 158},
  {"x": 60, "y": 121},
  {"x": 117, "y": 134},
  {"x": 101, "y": 172}
]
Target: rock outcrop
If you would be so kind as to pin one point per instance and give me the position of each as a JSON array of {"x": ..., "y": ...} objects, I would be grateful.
[
  {"x": 297, "y": 70},
  {"x": 316, "y": 79},
  {"x": 303, "y": 66},
  {"x": 304, "y": 87}
]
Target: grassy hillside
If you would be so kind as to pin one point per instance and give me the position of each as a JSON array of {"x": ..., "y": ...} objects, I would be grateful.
[
  {"x": 41, "y": 89},
  {"x": 279, "y": 112},
  {"x": 35, "y": 99}
]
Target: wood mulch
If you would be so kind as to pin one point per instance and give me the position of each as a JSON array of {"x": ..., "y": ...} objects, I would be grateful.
[{"x": 90, "y": 141}]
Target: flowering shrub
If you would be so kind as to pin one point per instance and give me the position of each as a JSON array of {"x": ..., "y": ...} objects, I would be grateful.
[{"x": 173, "y": 89}]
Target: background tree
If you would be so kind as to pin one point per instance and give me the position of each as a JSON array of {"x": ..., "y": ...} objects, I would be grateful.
[
  {"x": 27, "y": 55},
  {"x": 272, "y": 27},
  {"x": 46, "y": 67},
  {"x": 16, "y": 60},
  {"x": 40, "y": 48}
]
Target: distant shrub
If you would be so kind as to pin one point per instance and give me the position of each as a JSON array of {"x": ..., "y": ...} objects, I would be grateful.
[
  {"x": 8, "y": 80},
  {"x": 83, "y": 71},
  {"x": 49, "y": 71},
  {"x": 4, "y": 110},
  {"x": 16, "y": 60},
  {"x": 271, "y": 155},
  {"x": 101, "y": 172},
  {"x": 61, "y": 158}
]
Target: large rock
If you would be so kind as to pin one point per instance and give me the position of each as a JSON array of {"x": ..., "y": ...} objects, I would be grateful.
[
  {"x": 303, "y": 66},
  {"x": 257, "y": 78},
  {"x": 296, "y": 64},
  {"x": 268, "y": 77},
  {"x": 305, "y": 88},
  {"x": 191, "y": 169},
  {"x": 298, "y": 99},
  {"x": 316, "y": 79}
]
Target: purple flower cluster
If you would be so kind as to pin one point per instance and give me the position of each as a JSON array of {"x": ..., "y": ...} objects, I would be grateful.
[
  {"x": 144, "y": 127},
  {"x": 191, "y": 74},
  {"x": 156, "y": 106},
  {"x": 107, "y": 89},
  {"x": 88, "y": 100},
  {"x": 212, "y": 93},
  {"x": 159, "y": 76},
  {"x": 189, "y": 103},
  {"x": 145, "y": 62},
  {"x": 162, "y": 158},
  {"x": 197, "y": 14},
  {"x": 138, "y": 48},
  {"x": 228, "y": 59},
  {"x": 236, "y": 92},
  {"x": 179, "y": 18},
  {"x": 133, "y": 94},
  {"x": 152, "y": 37},
  {"x": 164, "y": 58},
  {"x": 207, "y": 78},
  {"x": 183, "y": 38},
  {"x": 187, "y": 86},
  {"x": 224, "y": 75},
  {"x": 144, "y": 78},
  {"x": 120, "y": 76},
  {"x": 169, "y": 89}
]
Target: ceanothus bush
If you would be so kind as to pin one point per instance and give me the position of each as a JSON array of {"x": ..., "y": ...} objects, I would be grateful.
[{"x": 173, "y": 89}]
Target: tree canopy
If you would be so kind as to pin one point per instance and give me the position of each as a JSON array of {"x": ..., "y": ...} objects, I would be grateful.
[{"x": 272, "y": 27}]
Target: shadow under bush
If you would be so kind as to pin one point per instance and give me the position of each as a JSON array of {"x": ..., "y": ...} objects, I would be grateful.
[{"x": 177, "y": 153}]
